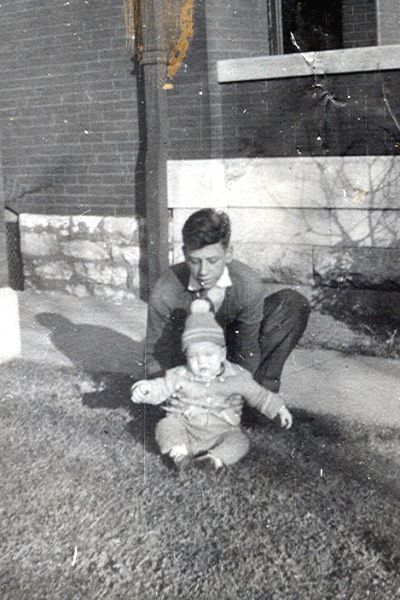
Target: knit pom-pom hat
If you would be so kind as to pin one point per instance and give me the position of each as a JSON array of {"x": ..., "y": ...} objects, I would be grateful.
[{"x": 201, "y": 326}]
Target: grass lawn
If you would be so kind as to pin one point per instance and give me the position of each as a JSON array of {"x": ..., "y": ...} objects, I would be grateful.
[{"x": 90, "y": 511}]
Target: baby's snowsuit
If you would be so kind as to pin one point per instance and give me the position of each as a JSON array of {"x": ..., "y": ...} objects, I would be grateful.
[{"x": 209, "y": 422}]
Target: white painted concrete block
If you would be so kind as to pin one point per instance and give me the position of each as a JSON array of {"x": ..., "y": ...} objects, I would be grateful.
[
  {"x": 196, "y": 183},
  {"x": 10, "y": 338},
  {"x": 276, "y": 226},
  {"x": 351, "y": 182}
]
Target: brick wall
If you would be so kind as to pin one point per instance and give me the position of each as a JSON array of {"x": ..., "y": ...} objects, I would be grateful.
[
  {"x": 344, "y": 115},
  {"x": 221, "y": 30},
  {"x": 359, "y": 23},
  {"x": 68, "y": 107}
]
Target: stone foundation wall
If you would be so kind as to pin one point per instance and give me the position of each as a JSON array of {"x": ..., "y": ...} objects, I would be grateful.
[{"x": 82, "y": 255}]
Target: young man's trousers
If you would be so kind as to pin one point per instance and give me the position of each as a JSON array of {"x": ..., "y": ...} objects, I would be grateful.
[{"x": 285, "y": 318}]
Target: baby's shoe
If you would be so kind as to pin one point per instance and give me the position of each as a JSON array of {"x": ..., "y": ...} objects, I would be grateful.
[
  {"x": 208, "y": 460},
  {"x": 180, "y": 456}
]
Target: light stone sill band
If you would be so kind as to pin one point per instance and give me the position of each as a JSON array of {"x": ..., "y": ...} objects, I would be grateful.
[{"x": 329, "y": 62}]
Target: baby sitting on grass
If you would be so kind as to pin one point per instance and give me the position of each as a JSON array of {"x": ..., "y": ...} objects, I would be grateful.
[{"x": 203, "y": 423}]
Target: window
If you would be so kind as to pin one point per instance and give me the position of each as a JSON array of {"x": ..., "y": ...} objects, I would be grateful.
[{"x": 313, "y": 25}]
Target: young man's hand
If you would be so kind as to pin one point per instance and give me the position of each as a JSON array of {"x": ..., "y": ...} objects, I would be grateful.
[
  {"x": 285, "y": 417},
  {"x": 140, "y": 392}
]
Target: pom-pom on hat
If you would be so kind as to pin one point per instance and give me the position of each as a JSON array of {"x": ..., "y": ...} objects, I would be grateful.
[{"x": 201, "y": 326}]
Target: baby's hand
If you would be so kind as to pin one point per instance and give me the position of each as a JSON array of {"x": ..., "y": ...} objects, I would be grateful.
[
  {"x": 141, "y": 392},
  {"x": 235, "y": 401},
  {"x": 285, "y": 417}
]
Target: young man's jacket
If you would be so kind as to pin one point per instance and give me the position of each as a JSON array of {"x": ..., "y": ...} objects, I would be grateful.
[
  {"x": 240, "y": 316},
  {"x": 207, "y": 402}
]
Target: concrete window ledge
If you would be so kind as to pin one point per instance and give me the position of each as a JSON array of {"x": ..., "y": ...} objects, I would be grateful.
[{"x": 351, "y": 60}]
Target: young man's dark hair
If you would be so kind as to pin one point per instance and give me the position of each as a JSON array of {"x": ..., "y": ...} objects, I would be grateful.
[{"x": 206, "y": 227}]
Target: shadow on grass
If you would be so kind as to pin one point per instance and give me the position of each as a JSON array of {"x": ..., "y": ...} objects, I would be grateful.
[
  {"x": 142, "y": 426},
  {"x": 117, "y": 394},
  {"x": 321, "y": 450},
  {"x": 144, "y": 417},
  {"x": 353, "y": 451},
  {"x": 107, "y": 356},
  {"x": 368, "y": 456}
]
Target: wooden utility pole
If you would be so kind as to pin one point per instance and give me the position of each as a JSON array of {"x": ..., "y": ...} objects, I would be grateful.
[
  {"x": 3, "y": 245},
  {"x": 153, "y": 127}
]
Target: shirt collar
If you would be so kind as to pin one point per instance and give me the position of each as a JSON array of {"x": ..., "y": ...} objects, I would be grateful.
[{"x": 223, "y": 282}]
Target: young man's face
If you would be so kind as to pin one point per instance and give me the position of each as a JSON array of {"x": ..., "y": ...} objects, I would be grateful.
[
  {"x": 204, "y": 359},
  {"x": 208, "y": 263}
]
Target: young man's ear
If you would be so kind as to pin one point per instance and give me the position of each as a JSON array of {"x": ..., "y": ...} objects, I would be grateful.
[{"x": 229, "y": 254}]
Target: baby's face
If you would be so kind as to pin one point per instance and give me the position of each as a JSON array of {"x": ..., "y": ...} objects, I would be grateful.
[{"x": 204, "y": 359}]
